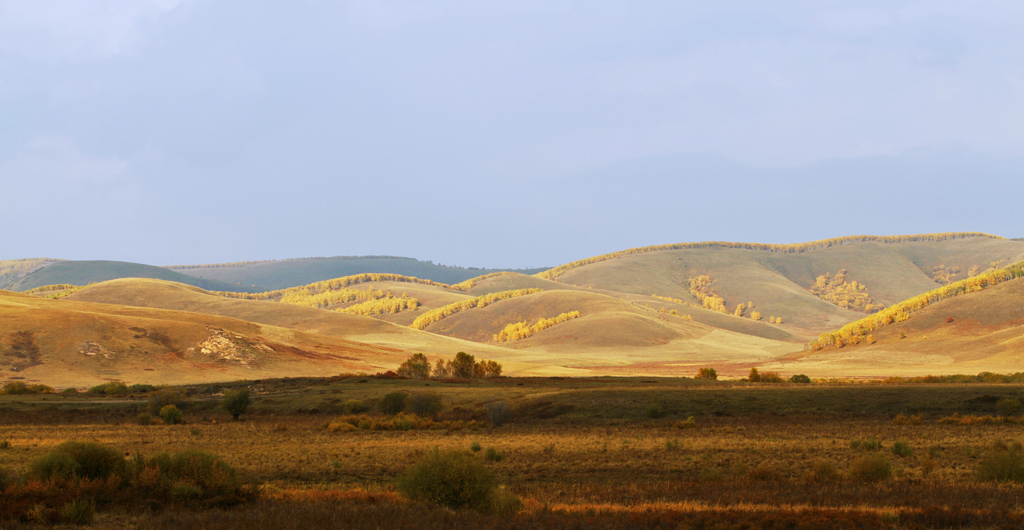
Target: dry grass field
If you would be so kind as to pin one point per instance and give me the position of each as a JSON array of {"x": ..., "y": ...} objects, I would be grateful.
[{"x": 580, "y": 453}]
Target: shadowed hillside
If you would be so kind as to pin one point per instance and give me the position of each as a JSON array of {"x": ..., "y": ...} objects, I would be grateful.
[
  {"x": 281, "y": 274},
  {"x": 86, "y": 272}
]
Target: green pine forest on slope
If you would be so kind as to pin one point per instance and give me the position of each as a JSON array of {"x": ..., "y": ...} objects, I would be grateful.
[{"x": 652, "y": 310}]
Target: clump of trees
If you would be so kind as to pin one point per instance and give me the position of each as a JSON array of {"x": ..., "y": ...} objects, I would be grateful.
[
  {"x": 700, "y": 288},
  {"x": 707, "y": 373},
  {"x": 439, "y": 313},
  {"x": 463, "y": 366},
  {"x": 388, "y": 304},
  {"x": 855, "y": 332},
  {"x": 848, "y": 295},
  {"x": 667, "y": 298},
  {"x": 521, "y": 330}
]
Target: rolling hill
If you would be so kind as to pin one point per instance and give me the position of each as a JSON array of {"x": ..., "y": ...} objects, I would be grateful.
[
  {"x": 281, "y": 274},
  {"x": 54, "y": 272}
]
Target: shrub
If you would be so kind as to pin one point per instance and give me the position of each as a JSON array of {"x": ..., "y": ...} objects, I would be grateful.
[
  {"x": 654, "y": 411},
  {"x": 503, "y": 502},
  {"x": 1004, "y": 464},
  {"x": 69, "y": 390},
  {"x": 1008, "y": 407},
  {"x": 475, "y": 447},
  {"x": 114, "y": 387},
  {"x": 823, "y": 471},
  {"x": 15, "y": 388},
  {"x": 901, "y": 448},
  {"x": 754, "y": 376},
  {"x": 492, "y": 455},
  {"x": 167, "y": 396},
  {"x": 871, "y": 468},
  {"x": 144, "y": 418},
  {"x": 425, "y": 404},
  {"x": 139, "y": 388},
  {"x": 235, "y": 402},
  {"x": 392, "y": 403},
  {"x": 40, "y": 389},
  {"x": 452, "y": 479},
  {"x": 77, "y": 460},
  {"x": 689, "y": 423},
  {"x": 499, "y": 412},
  {"x": 354, "y": 406},
  {"x": 707, "y": 373},
  {"x": 799, "y": 378},
  {"x": 204, "y": 470},
  {"x": 78, "y": 512},
  {"x": 868, "y": 444},
  {"x": 170, "y": 414}
]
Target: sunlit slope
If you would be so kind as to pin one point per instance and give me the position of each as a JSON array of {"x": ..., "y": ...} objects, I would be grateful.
[
  {"x": 778, "y": 282},
  {"x": 970, "y": 333},
  {"x": 77, "y": 343},
  {"x": 86, "y": 272},
  {"x": 611, "y": 335},
  {"x": 281, "y": 274},
  {"x": 168, "y": 295}
]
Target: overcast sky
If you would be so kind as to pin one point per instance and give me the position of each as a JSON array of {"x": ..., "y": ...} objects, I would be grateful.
[{"x": 500, "y": 134}]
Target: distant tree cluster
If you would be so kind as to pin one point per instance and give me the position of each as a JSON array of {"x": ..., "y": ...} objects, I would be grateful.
[
  {"x": 789, "y": 249},
  {"x": 521, "y": 330},
  {"x": 700, "y": 288},
  {"x": 463, "y": 366},
  {"x": 389, "y": 304},
  {"x": 855, "y": 332},
  {"x": 470, "y": 283},
  {"x": 57, "y": 290},
  {"x": 667, "y": 298},
  {"x": 848, "y": 295},
  {"x": 439, "y": 313}
]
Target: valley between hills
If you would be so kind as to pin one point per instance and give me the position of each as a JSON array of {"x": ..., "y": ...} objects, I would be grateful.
[{"x": 849, "y": 307}]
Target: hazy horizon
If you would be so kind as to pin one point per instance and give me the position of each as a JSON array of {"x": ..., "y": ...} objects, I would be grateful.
[{"x": 501, "y": 135}]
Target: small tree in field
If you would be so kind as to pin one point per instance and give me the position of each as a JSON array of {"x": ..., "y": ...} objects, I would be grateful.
[
  {"x": 235, "y": 402},
  {"x": 707, "y": 373},
  {"x": 416, "y": 367},
  {"x": 464, "y": 366}
]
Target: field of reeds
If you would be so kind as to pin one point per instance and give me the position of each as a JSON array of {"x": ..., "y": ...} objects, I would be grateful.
[{"x": 578, "y": 453}]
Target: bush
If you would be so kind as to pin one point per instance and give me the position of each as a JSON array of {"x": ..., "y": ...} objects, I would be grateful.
[
  {"x": 114, "y": 387},
  {"x": 707, "y": 373},
  {"x": 69, "y": 390},
  {"x": 452, "y": 479},
  {"x": 799, "y": 378},
  {"x": 354, "y": 406},
  {"x": 1008, "y": 407},
  {"x": 78, "y": 512},
  {"x": 1004, "y": 464},
  {"x": 901, "y": 448},
  {"x": 475, "y": 447},
  {"x": 171, "y": 415},
  {"x": 167, "y": 396},
  {"x": 392, "y": 403},
  {"x": 499, "y": 412},
  {"x": 822, "y": 471},
  {"x": 140, "y": 388},
  {"x": 754, "y": 376},
  {"x": 204, "y": 470},
  {"x": 871, "y": 468},
  {"x": 15, "y": 388},
  {"x": 689, "y": 423},
  {"x": 865, "y": 444},
  {"x": 654, "y": 411},
  {"x": 425, "y": 404},
  {"x": 71, "y": 460},
  {"x": 144, "y": 419},
  {"x": 504, "y": 502},
  {"x": 771, "y": 377},
  {"x": 903, "y": 419},
  {"x": 235, "y": 402},
  {"x": 492, "y": 455}
]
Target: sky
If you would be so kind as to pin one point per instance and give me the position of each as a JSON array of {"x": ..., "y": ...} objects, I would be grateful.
[{"x": 500, "y": 134}]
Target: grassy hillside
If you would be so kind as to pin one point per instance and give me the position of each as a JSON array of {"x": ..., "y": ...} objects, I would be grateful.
[
  {"x": 973, "y": 332},
  {"x": 281, "y": 274},
  {"x": 74, "y": 342},
  {"x": 13, "y": 270},
  {"x": 779, "y": 282},
  {"x": 86, "y": 272}
]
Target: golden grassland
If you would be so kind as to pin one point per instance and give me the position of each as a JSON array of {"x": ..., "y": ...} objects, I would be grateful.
[{"x": 579, "y": 452}]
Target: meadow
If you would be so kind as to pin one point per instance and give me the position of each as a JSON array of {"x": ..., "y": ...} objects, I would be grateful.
[{"x": 579, "y": 453}]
